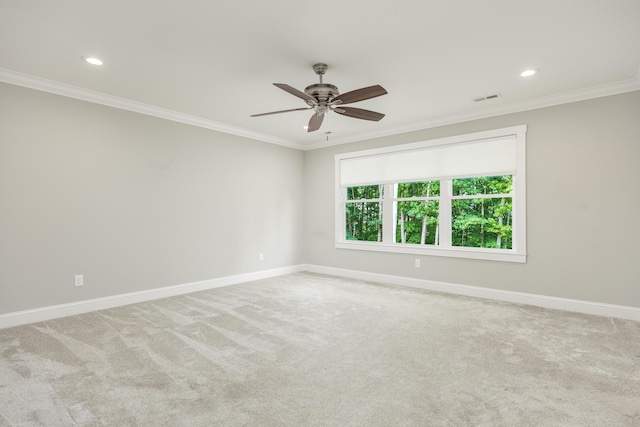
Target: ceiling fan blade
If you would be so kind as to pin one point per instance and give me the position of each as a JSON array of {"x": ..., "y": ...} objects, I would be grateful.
[
  {"x": 281, "y": 111},
  {"x": 295, "y": 92},
  {"x": 360, "y": 94},
  {"x": 359, "y": 113},
  {"x": 315, "y": 122}
]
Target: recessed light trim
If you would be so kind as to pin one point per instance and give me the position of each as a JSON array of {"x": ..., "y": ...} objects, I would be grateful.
[
  {"x": 92, "y": 60},
  {"x": 530, "y": 72}
]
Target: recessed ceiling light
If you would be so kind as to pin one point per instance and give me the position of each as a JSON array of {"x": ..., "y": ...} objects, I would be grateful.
[
  {"x": 92, "y": 60},
  {"x": 305, "y": 127},
  {"x": 530, "y": 72}
]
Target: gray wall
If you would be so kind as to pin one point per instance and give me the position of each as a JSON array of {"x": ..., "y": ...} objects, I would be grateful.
[
  {"x": 583, "y": 205},
  {"x": 133, "y": 202}
]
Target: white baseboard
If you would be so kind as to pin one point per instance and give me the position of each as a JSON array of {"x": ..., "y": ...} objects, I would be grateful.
[
  {"x": 41, "y": 314},
  {"x": 565, "y": 304},
  {"x": 71, "y": 309}
]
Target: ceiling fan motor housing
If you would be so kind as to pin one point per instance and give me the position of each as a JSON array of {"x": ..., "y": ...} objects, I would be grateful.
[{"x": 323, "y": 92}]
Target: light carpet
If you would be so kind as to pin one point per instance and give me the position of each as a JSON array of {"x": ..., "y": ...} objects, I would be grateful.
[{"x": 313, "y": 350}]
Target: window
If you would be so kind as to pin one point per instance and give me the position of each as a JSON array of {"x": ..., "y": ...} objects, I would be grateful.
[
  {"x": 364, "y": 213},
  {"x": 460, "y": 197},
  {"x": 481, "y": 212},
  {"x": 416, "y": 209}
]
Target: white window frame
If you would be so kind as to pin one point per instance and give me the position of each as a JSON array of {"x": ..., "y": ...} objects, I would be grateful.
[{"x": 516, "y": 254}]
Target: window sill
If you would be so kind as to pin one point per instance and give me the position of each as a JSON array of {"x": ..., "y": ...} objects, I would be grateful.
[{"x": 505, "y": 255}]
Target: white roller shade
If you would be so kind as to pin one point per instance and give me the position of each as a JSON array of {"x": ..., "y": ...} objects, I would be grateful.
[{"x": 459, "y": 160}]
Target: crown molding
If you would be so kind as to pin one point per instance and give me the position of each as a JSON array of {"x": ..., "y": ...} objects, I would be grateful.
[
  {"x": 38, "y": 83},
  {"x": 515, "y": 107}
]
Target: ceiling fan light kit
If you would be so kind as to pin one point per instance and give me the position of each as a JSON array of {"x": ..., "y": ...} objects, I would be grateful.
[{"x": 324, "y": 97}]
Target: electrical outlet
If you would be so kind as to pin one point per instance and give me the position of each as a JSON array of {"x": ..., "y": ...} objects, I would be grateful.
[
  {"x": 79, "y": 280},
  {"x": 261, "y": 257},
  {"x": 417, "y": 263}
]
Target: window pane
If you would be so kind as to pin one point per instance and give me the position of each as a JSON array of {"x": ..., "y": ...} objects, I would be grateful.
[
  {"x": 419, "y": 189},
  {"x": 482, "y": 223},
  {"x": 417, "y": 222},
  {"x": 364, "y": 192},
  {"x": 364, "y": 221},
  {"x": 482, "y": 185}
]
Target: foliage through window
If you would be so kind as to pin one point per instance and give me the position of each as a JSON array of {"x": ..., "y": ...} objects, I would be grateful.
[
  {"x": 481, "y": 212},
  {"x": 417, "y": 206},
  {"x": 364, "y": 213},
  {"x": 482, "y": 222}
]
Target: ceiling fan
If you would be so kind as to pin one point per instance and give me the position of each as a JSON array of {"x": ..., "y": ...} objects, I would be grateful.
[{"x": 324, "y": 97}]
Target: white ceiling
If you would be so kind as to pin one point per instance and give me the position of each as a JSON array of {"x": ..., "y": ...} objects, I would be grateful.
[{"x": 213, "y": 62}]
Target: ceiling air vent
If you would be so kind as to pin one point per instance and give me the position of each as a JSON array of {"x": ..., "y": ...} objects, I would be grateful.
[{"x": 487, "y": 97}]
